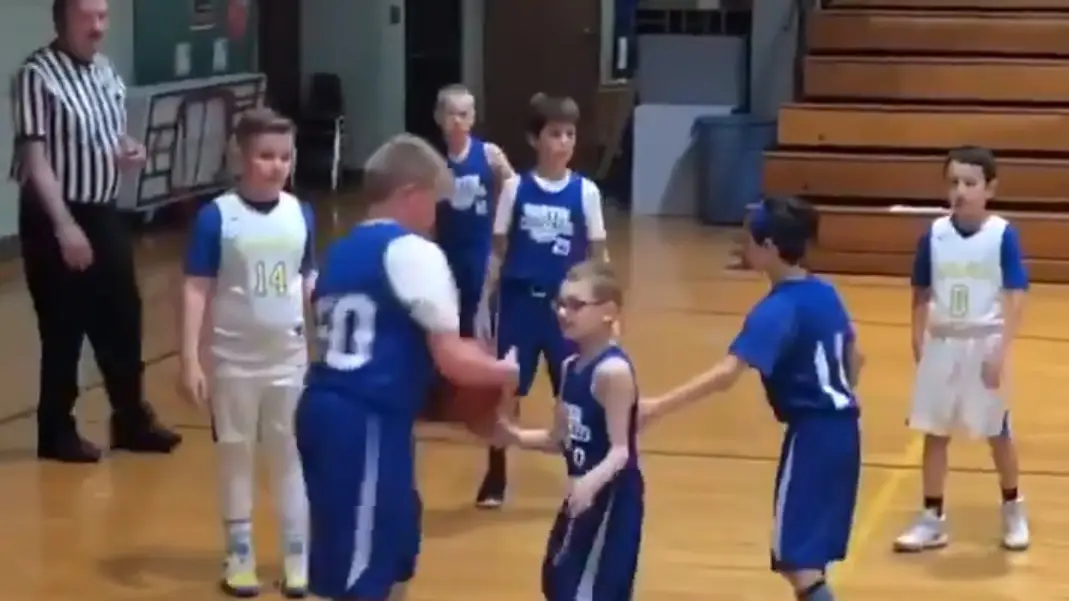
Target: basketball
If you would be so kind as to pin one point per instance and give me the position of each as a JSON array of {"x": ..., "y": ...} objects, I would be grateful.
[{"x": 474, "y": 407}]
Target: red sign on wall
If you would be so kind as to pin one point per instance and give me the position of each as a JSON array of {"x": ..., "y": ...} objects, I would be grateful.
[{"x": 237, "y": 18}]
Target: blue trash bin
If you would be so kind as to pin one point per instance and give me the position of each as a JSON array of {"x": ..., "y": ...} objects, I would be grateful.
[{"x": 730, "y": 164}]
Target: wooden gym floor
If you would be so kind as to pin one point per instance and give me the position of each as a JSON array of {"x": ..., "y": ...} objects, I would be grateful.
[{"x": 145, "y": 528}]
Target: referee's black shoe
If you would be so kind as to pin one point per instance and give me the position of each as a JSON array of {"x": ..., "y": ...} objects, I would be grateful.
[
  {"x": 69, "y": 448},
  {"x": 151, "y": 438}
]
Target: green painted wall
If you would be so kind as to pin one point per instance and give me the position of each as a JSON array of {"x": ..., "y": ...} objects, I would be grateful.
[{"x": 189, "y": 39}]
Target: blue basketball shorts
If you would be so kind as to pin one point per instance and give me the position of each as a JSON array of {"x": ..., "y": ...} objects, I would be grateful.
[
  {"x": 363, "y": 506},
  {"x": 594, "y": 556},
  {"x": 469, "y": 273},
  {"x": 527, "y": 321},
  {"x": 816, "y": 492}
]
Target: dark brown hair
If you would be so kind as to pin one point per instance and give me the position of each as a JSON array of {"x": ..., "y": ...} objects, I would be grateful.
[
  {"x": 551, "y": 109},
  {"x": 261, "y": 121},
  {"x": 59, "y": 14},
  {"x": 977, "y": 156}
]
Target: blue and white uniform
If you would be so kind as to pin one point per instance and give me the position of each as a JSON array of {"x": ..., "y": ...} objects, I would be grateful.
[
  {"x": 382, "y": 290},
  {"x": 463, "y": 227},
  {"x": 798, "y": 338},
  {"x": 549, "y": 226},
  {"x": 594, "y": 556}
]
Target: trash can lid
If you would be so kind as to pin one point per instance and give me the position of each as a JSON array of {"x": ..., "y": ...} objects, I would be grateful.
[{"x": 735, "y": 120}]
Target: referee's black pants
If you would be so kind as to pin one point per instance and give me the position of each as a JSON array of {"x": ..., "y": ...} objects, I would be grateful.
[{"x": 103, "y": 302}]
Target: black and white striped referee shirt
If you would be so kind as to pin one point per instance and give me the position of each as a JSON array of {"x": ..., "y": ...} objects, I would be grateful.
[{"x": 78, "y": 110}]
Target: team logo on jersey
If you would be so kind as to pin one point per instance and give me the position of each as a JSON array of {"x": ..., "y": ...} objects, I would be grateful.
[
  {"x": 967, "y": 270},
  {"x": 577, "y": 431},
  {"x": 468, "y": 192},
  {"x": 546, "y": 223}
]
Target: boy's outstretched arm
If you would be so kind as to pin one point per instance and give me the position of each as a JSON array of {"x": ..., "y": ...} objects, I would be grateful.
[{"x": 758, "y": 345}]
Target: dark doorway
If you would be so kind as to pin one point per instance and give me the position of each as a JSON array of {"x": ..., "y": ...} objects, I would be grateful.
[
  {"x": 433, "y": 34},
  {"x": 279, "y": 53},
  {"x": 550, "y": 46}
]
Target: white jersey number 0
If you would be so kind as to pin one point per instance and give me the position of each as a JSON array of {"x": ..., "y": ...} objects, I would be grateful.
[{"x": 346, "y": 330}]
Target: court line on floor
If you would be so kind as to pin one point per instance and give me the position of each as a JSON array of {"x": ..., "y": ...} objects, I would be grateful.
[
  {"x": 907, "y": 464},
  {"x": 875, "y": 512},
  {"x": 27, "y": 412}
]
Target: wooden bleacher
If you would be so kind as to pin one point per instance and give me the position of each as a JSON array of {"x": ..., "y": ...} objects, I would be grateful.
[{"x": 890, "y": 85}]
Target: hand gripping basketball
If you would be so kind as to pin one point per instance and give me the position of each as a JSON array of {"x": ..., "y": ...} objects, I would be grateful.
[{"x": 475, "y": 407}]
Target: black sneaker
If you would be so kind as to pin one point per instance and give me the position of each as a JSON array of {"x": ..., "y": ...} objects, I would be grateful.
[
  {"x": 152, "y": 438},
  {"x": 492, "y": 490},
  {"x": 70, "y": 448}
]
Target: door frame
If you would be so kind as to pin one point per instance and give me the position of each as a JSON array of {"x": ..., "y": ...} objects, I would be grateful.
[{"x": 515, "y": 68}]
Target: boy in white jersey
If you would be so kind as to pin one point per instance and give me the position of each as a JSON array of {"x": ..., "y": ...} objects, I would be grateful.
[
  {"x": 969, "y": 283},
  {"x": 249, "y": 268}
]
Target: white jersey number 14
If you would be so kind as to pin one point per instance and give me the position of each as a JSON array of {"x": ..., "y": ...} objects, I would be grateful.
[{"x": 270, "y": 280}]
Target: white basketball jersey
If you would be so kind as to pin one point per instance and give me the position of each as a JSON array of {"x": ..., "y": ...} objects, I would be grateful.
[
  {"x": 966, "y": 275},
  {"x": 258, "y": 307}
]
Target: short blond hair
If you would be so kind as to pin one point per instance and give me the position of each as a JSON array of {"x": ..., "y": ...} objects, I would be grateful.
[
  {"x": 405, "y": 160},
  {"x": 454, "y": 91},
  {"x": 604, "y": 283}
]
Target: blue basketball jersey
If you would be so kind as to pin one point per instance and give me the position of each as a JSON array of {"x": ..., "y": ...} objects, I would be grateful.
[
  {"x": 588, "y": 433},
  {"x": 465, "y": 219},
  {"x": 548, "y": 234},
  {"x": 370, "y": 348},
  {"x": 799, "y": 337}
]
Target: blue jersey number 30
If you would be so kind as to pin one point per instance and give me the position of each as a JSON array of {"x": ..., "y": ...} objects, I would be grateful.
[{"x": 345, "y": 328}]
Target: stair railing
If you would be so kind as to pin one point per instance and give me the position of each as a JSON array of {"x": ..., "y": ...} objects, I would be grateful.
[
  {"x": 792, "y": 21},
  {"x": 802, "y": 10}
]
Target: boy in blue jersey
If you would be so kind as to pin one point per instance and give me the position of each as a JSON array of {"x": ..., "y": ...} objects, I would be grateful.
[
  {"x": 801, "y": 341},
  {"x": 969, "y": 283},
  {"x": 547, "y": 220},
  {"x": 593, "y": 547},
  {"x": 464, "y": 221},
  {"x": 387, "y": 317},
  {"x": 249, "y": 267}
]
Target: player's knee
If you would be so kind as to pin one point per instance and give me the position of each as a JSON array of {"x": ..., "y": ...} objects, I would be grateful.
[
  {"x": 802, "y": 580},
  {"x": 1001, "y": 442},
  {"x": 936, "y": 441},
  {"x": 228, "y": 437},
  {"x": 236, "y": 459},
  {"x": 280, "y": 445},
  {"x": 399, "y": 591},
  {"x": 278, "y": 431}
]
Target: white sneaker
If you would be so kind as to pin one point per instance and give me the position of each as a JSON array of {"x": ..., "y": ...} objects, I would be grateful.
[
  {"x": 1015, "y": 533},
  {"x": 927, "y": 532},
  {"x": 239, "y": 576}
]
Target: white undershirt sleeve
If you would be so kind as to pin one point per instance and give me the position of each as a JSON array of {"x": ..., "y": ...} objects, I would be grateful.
[
  {"x": 506, "y": 206},
  {"x": 421, "y": 279},
  {"x": 595, "y": 217}
]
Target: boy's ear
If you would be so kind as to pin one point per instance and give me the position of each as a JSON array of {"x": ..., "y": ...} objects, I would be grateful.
[
  {"x": 532, "y": 140},
  {"x": 992, "y": 187}
]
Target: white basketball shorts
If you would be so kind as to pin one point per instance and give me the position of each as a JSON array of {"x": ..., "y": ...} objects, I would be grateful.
[
  {"x": 255, "y": 397},
  {"x": 949, "y": 393},
  {"x": 248, "y": 409}
]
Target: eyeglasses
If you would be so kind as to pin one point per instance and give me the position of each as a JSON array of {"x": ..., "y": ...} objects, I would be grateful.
[{"x": 572, "y": 304}]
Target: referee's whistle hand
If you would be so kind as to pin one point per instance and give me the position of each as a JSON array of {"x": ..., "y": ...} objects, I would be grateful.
[
  {"x": 75, "y": 247},
  {"x": 130, "y": 154}
]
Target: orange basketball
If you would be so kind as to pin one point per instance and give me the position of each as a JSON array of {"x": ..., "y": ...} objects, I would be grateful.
[{"x": 474, "y": 407}]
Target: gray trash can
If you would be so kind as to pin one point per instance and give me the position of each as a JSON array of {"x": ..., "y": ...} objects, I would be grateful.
[{"x": 730, "y": 165}]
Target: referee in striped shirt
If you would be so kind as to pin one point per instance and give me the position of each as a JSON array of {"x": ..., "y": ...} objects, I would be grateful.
[{"x": 70, "y": 123}]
